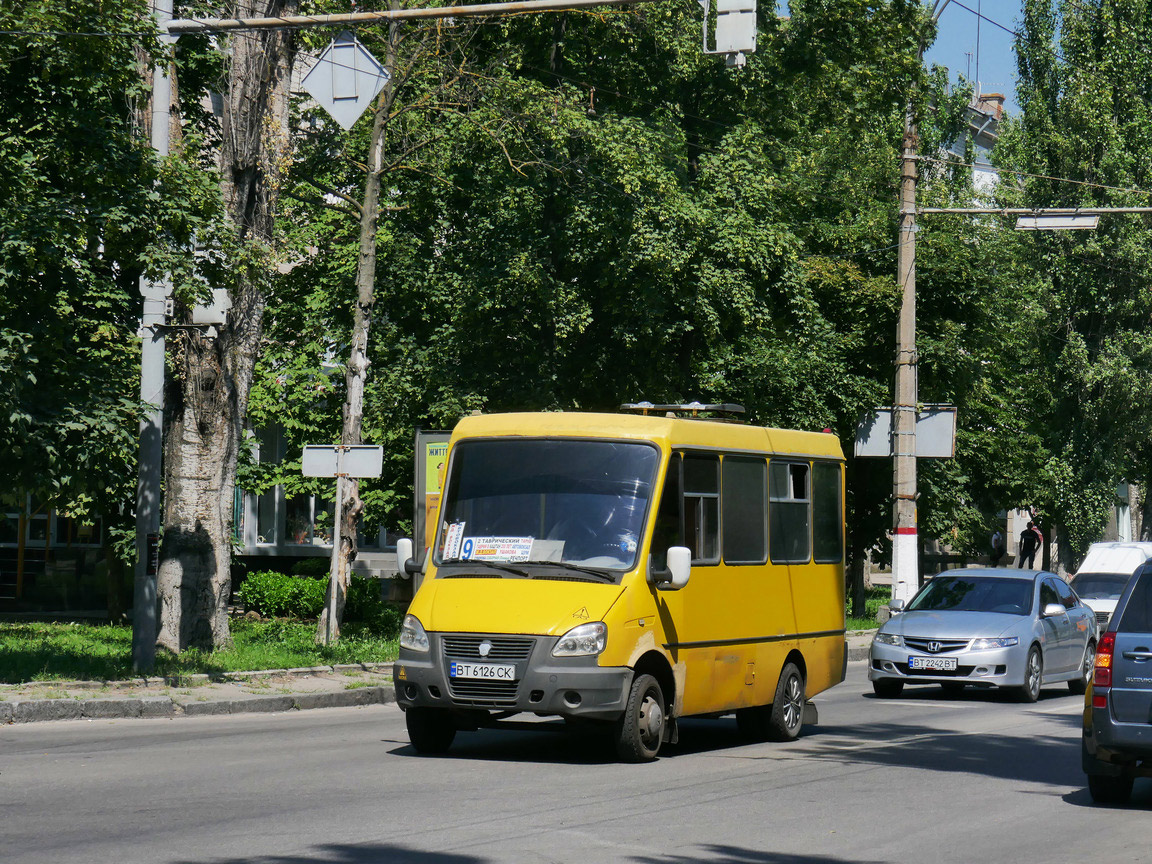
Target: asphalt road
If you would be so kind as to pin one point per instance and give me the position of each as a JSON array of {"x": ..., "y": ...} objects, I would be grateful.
[{"x": 924, "y": 778}]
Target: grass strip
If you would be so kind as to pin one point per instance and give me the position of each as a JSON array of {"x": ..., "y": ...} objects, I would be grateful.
[{"x": 40, "y": 651}]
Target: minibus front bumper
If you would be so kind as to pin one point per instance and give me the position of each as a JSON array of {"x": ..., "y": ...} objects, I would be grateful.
[{"x": 538, "y": 682}]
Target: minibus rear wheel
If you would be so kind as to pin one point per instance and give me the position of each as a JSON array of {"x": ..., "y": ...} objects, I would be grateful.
[
  {"x": 431, "y": 730},
  {"x": 641, "y": 728},
  {"x": 788, "y": 707}
]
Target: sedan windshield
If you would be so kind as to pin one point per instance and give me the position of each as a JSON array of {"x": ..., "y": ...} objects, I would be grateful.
[
  {"x": 1100, "y": 586},
  {"x": 558, "y": 501},
  {"x": 975, "y": 594}
]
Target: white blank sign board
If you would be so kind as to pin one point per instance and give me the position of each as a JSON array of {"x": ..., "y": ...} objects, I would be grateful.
[
  {"x": 935, "y": 433},
  {"x": 321, "y": 460}
]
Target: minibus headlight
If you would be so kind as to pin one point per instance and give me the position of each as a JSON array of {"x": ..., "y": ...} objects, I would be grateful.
[
  {"x": 412, "y": 635},
  {"x": 582, "y": 641}
]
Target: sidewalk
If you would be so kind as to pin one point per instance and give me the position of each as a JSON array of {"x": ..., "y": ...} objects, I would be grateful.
[
  {"x": 199, "y": 695},
  {"x": 858, "y": 644},
  {"x": 227, "y": 693}
]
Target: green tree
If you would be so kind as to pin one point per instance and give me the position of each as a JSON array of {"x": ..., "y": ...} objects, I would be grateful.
[
  {"x": 81, "y": 218},
  {"x": 1086, "y": 117}
]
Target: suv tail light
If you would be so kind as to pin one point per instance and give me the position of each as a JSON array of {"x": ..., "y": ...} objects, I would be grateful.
[{"x": 1102, "y": 675}]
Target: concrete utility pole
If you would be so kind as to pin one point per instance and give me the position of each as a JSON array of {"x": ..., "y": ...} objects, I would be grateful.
[
  {"x": 905, "y": 563},
  {"x": 152, "y": 394}
]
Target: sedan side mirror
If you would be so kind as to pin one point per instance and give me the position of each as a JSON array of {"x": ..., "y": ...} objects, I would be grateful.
[
  {"x": 406, "y": 565},
  {"x": 1054, "y": 609},
  {"x": 675, "y": 575},
  {"x": 896, "y": 606}
]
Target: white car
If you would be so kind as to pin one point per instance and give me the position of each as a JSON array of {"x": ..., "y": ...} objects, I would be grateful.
[{"x": 1106, "y": 570}]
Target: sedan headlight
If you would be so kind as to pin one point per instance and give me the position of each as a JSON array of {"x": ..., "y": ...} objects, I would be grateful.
[
  {"x": 888, "y": 639},
  {"x": 582, "y": 641},
  {"x": 1002, "y": 642},
  {"x": 412, "y": 635}
]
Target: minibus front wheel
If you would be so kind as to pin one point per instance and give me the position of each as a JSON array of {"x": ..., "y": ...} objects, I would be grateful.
[
  {"x": 641, "y": 728},
  {"x": 431, "y": 730}
]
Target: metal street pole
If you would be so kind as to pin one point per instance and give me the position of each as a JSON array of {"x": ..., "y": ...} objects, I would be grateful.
[
  {"x": 330, "y": 632},
  {"x": 148, "y": 483}
]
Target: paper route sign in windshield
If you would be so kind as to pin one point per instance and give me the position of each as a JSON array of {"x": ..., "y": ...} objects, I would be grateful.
[{"x": 486, "y": 548}]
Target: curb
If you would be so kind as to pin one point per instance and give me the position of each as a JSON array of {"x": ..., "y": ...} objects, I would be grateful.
[{"x": 152, "y": 707}]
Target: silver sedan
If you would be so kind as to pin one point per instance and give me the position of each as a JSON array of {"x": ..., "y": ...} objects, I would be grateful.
[{"x": 987, "y": 627}]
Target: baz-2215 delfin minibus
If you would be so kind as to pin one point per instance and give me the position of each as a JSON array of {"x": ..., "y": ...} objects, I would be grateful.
[{"x": 630, "y": 570}]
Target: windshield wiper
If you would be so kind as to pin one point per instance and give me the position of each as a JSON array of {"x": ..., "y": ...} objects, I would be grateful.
[
  {"x": 576, "y": 567},
  {"x": 491, "y": 565}
]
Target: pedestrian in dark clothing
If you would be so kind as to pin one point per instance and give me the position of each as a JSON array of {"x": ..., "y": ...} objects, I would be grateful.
[
  {"x": 998, "y": 549},
  {"x": 1029, "y": 543}
]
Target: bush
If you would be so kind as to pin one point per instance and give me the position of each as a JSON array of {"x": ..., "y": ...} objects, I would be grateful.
[
  {"x": 312, "y": 567},
  {"x": 365, "y": 604},
  {"x": 279, "y": 595}
]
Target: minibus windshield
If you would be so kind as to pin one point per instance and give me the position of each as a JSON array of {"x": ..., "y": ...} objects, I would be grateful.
[{"x": 560, "y": 501}]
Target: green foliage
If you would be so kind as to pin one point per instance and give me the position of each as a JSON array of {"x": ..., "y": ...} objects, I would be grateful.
[
  {"x": 1087, "y": 114},
  {"x": 279, "y": 595},
  {"x": 874, "y": 598},
  {"x": 78, "y": 208},
  {"x": 315, "y": 567},
  {"x": 576, "y": 222}
]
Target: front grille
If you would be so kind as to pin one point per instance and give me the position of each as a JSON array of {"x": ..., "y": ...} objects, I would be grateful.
[
  {"x": 946, "y": 645},
  {"x": 480, "y": 692},
  {"x": 483, "y": 692},
  {"x": 1102, "y": 618},
  {"x": 504, "y": 649}
]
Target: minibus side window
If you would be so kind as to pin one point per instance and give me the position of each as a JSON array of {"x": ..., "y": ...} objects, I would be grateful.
[
  {"x": 788, "y": 512},
  {"x": 666, "y": 531},
  {"x": 827, "y": 527},
  {"x": 744, "y": 505},
  {"x": 702, "y": 508}
]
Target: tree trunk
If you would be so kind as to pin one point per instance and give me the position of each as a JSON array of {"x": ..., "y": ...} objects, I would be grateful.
[
  {"x": 328, "y": 629},
  {"x": 209, "y": 397}
]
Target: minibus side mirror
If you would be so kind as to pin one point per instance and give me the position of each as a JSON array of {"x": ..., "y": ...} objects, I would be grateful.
[
  {"x": 675, "y": 575},
  {"x": 405, "y": 563}
]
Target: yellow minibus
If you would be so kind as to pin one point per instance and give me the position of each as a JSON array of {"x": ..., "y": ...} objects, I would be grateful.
[{"x": 631, "y": 569}]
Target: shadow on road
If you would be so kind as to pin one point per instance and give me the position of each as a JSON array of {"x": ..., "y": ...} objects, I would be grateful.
[
  {"x": 386, "y": 853},
  {"x": 715, "y": 854},
  {"x": 1047, "y": 759},
  {"x": 352, "y": 853}
]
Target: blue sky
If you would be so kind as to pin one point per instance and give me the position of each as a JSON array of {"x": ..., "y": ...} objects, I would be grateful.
[{"x": 963, "y": 39}]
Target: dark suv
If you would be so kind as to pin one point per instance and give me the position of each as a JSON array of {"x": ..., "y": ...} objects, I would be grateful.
[{"x": 1118, "y": 706}]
